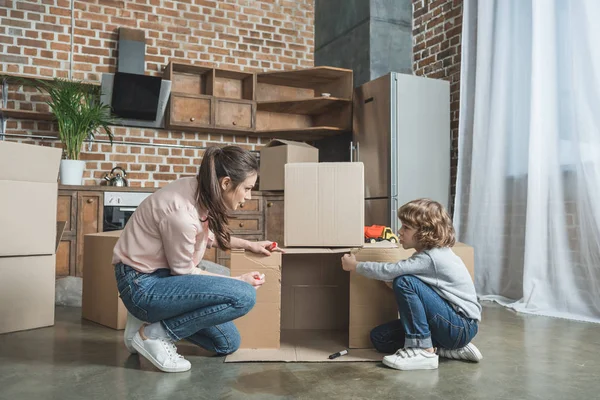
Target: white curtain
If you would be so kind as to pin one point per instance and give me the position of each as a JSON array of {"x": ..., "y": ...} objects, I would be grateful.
[{"x": 528, "y": 186}]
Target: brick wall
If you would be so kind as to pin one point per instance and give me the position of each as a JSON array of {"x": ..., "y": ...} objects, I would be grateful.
[
  {"x": 437, "y": 26},
  {"x": 248, "y": 35}
]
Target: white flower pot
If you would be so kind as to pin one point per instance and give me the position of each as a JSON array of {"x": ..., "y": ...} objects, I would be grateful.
[{"x": 71, "y": 172}]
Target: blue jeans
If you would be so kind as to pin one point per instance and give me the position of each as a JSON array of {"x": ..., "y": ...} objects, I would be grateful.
[
  {"x": 426, "y": 320},
  {"x": 198, "y": 308}
]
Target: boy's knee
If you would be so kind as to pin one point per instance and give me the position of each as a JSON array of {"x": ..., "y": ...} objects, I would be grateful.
[{"x": 405, "y": 281}]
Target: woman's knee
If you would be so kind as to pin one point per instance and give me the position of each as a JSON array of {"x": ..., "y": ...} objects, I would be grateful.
[
  {"x": 246, "y": 297},
  {"x": 231, "y": 342}
]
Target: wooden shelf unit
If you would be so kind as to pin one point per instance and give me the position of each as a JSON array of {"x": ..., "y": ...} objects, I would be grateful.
[
  {"x": 282, "y": 104},
  {"x": 309, "y": 103}
]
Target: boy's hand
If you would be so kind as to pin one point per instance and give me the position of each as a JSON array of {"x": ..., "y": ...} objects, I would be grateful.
[{"x": 349, "y": 262}]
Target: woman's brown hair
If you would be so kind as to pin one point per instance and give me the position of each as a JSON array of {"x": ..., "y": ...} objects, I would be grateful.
[
  {"x": 217, "y": 163},
  {"x": 431, "y": 221}
]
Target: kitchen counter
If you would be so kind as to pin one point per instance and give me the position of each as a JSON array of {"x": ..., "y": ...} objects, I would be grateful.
[{"x": 104, "y": 188}]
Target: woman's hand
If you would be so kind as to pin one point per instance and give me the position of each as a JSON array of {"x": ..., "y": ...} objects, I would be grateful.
[
  {"x": 349, "y": 262},
  {"x": 261, "y": 247},
  {"x": 254, "y": 278}
]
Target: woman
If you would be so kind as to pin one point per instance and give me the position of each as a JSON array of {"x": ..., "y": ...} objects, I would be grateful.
[{"x": 157, "y": 255}]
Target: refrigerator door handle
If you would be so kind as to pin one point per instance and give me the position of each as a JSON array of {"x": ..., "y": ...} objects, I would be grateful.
[
  {"x": 351, "y": 151},
  {"x": 357, "y": 151},
  {"x": 394, "y": 216}
]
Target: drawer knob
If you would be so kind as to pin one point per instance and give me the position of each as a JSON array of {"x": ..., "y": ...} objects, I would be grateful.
[
  {"x": 192, "y": 119},
  {"x": 269, "y": 204},
  {"x": 90, "y": 201},
  {"x": 241, "y": 224},
  {"x": 235, "y": 123},
  {"x": 242, "y": 205}
]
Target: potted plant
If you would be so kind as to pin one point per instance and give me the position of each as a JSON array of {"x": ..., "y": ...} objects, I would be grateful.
[{"x": 79, "y": 114}]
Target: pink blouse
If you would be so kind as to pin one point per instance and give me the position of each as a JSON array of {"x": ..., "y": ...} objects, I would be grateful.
[{"x": 166, "y": 231}]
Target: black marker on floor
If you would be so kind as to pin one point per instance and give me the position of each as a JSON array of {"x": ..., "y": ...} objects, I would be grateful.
[{"x": 338, "y": 354}]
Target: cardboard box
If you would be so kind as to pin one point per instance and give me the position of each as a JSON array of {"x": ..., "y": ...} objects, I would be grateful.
[
  {"x": 309, "y": 307},
  {"x": 324, "y": 205},
  {"x": 28, "y": 183},
  {"x": 26, "y": 292},
  {"x": 100, "y": 301},
  {"x": 275, "y": 155}
]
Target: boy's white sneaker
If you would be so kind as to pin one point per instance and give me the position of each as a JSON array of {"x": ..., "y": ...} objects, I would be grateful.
[
  {"x": 161, "y": 352},
  {"x": 468, "y": 353},
  {"x": 411, "y": 359},
  {"x": 131, "y": 327}
]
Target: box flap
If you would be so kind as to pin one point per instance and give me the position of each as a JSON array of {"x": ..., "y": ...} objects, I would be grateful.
[
  {"x": 29, "y": 163},
  {"x": 28, "y": 218},
  {"x": 324, "y": 204},
  {"x": 60, "y": 228},
  {"x": 282, "y": 142}
]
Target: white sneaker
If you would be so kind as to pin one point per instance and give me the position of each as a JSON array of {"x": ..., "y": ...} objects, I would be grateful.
[
  {"x": 161, "y": 352},
  {"x": 468, "y": 353},
  {"x": 411, "y": 359},
  {"x": 131, "y": 327}
]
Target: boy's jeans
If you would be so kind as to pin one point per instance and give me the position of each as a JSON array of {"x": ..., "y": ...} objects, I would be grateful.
[
  {"x": 426, "y": 320},
  {"x": 198, "y": 308}
]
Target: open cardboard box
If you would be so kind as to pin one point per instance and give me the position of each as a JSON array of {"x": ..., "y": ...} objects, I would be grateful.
[
  {"x": 276, "y": 154},
  {"x": 310, "y": 308}
]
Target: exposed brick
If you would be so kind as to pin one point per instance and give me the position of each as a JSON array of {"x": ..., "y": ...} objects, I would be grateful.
[{"x": 204, "y": 33}]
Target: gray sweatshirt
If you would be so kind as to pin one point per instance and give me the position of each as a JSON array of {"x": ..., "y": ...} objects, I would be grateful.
[{"x": 441, "y": 269}]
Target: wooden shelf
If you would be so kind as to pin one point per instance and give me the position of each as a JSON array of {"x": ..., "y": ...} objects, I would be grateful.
[
  {"x": 312, "y": 133},
  {"x": 313, "y": 106},
  {"x": 303, "y": 77},
  {"x": 39, "y": 78},
  {"x": 25, "y": 114}
]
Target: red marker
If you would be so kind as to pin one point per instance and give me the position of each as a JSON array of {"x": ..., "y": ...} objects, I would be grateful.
[{"x": 272, "y": 247}]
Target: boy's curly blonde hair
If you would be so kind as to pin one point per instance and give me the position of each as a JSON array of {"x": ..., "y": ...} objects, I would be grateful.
[{"x": 431, "y": 221}]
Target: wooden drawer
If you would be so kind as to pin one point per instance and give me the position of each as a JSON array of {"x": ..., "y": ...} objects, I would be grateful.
[
  {"x": 190, "y": 110},
  {"x": 252, "y": 205},
  {"x": 234, "y": 114},
  {"x": 246, "y": 224}
]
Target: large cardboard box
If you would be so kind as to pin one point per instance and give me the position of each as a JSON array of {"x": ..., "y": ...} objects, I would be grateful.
[
  {"x": 28, "y": 183},
  {"x": 26, "y": 292},
  {"x": 100, "y": 301},
  {"x": 324, "y": 205},
  {"x": 275, "y": 155},
  {"x": 309, "y": 307}
]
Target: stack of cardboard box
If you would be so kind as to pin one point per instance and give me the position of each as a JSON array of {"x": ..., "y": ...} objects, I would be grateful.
[
  {"x": 28, "y": 235},
  {"x": 309, "y": 307}
]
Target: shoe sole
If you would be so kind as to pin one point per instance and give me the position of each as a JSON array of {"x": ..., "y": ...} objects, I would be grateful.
[
  {"x": 130, "y": 348},
  {"x": 143, "y": 352},
  {"x": 413, "y": 368}
]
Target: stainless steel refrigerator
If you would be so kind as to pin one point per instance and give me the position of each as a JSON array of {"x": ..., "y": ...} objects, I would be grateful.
[{"x": 401, "y": 132}]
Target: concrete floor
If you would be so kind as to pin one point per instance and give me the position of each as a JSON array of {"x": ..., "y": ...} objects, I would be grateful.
[{"x": 525, "y": 357}]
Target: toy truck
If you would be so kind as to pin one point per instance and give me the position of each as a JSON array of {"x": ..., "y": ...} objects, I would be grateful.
[{"x": 377, "y": 233}]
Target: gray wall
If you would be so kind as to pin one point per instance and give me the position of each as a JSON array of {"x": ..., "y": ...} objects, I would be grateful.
[{"x": 371, "y": 37}]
